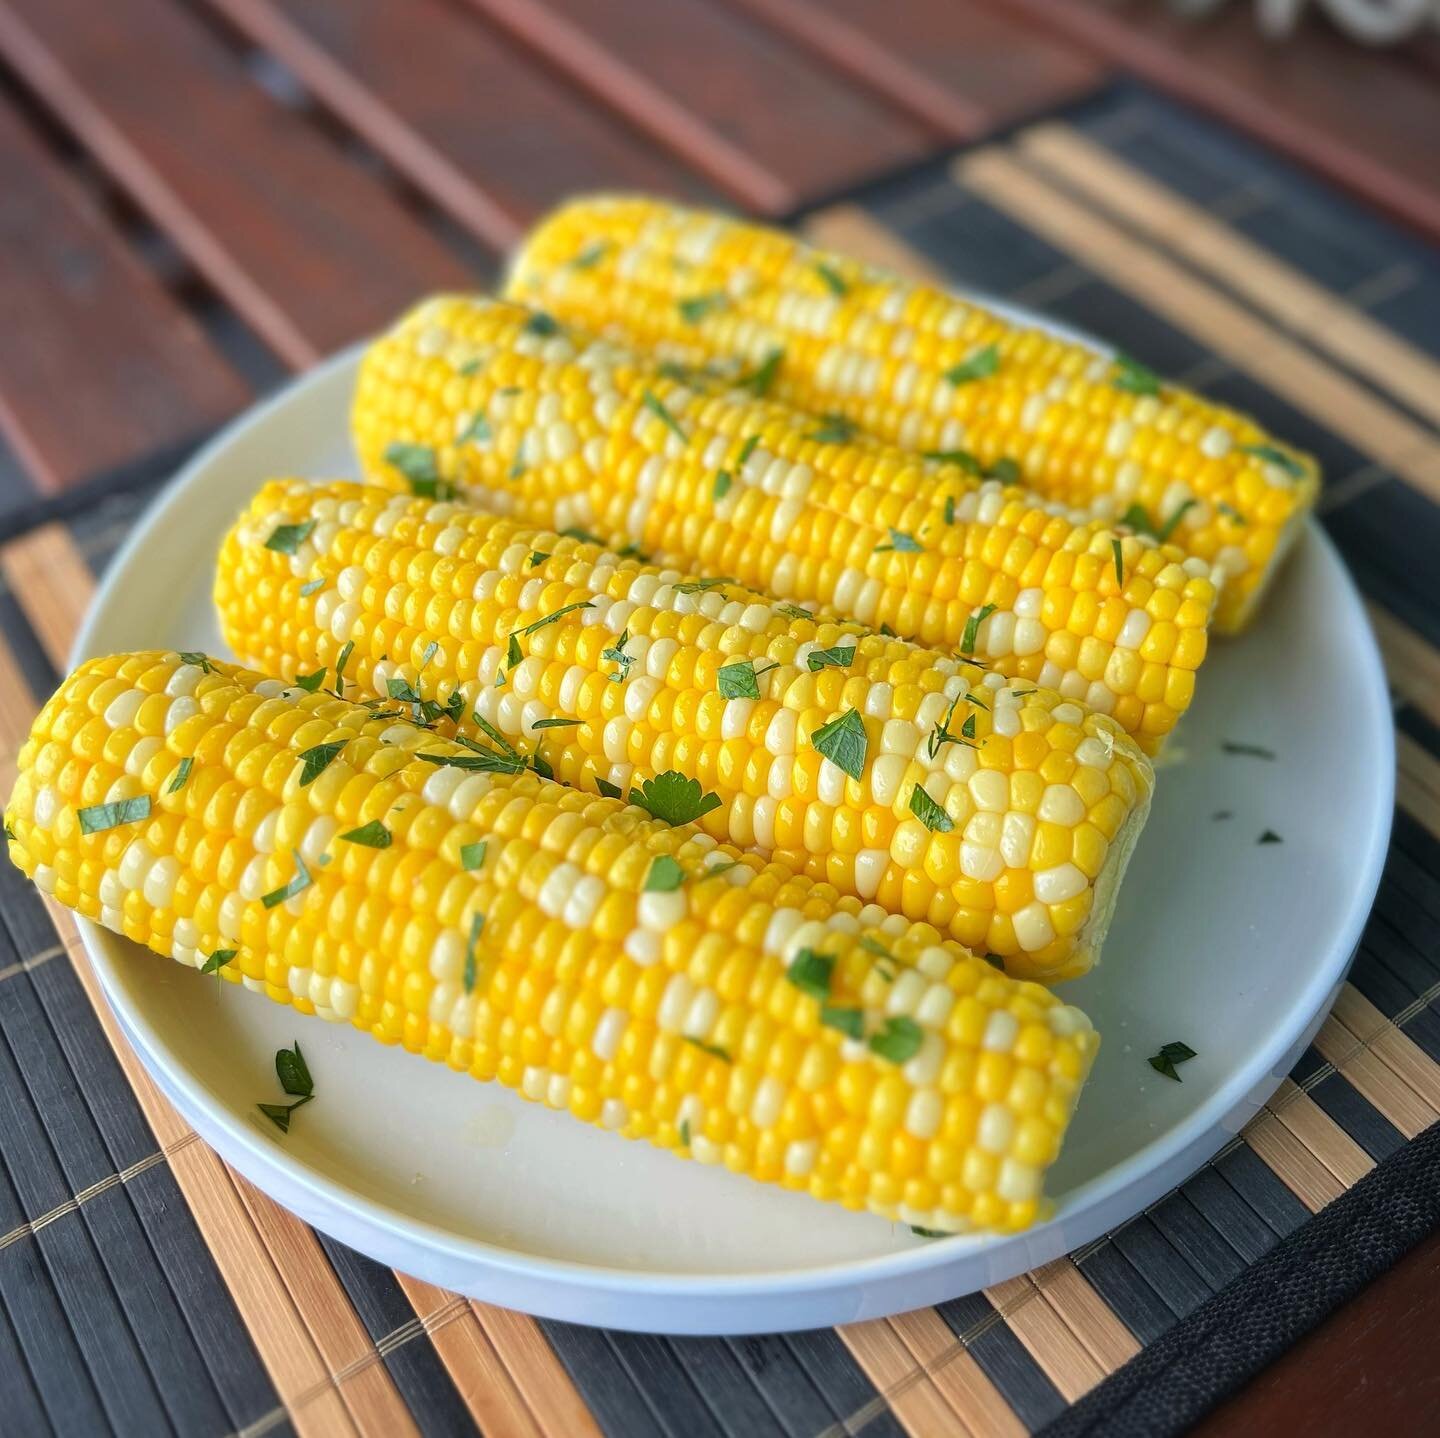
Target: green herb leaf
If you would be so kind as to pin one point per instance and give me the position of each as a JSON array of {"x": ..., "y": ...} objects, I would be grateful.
[
  {"x": 674, "y": 798},
  {"x": 1252, "y": 751},
  {"x": 494, "y": 735},
  {"x": 218, "y": 960},
  {"x": 874, "y": 946},
  {"x": 836, "y": 658},
  {"x": 472, "y": 960},
  {"x": 898, "y": 1040},
  {"x": 714, "y": 1050},
  {"x": 995, "y": 961},
  {"x": 1168, "y": 528},
  {"x": 513, "y": 654},
  {"x": 557, "y": 723},
  {"x": 971, "y": 635},
  {"x": 1138, "y": 519},
  {"x": 617, "y": 655},
  {"x": 962, "y": 457},
  {"x": 761, "y": 381},
  {"x": 590, "y": 256},
  {"x": 537, "y": 557},
  {"x": 481, "y": 762},
  {"x": 1270, "y": 837},
  {"x": 694, "y": 309},
  {"x": 685, "y": 1132},
  {"x": 702, "y": 586},
  {"x": 200, "y": 661},
  {"x": 980, "y": 365},
  {"x": 633, "y": 551},
  {"x": 476, "y": 432},
  {"x": 1269, "y": 454},
  {"x": 1006, "y": 470},
  {"x": 1119, "y": 562},
  {"x": 341, "y": 660},
  {"x": 297, "y": 885},
  {"x": 558, "y": 614},
  {"x": 834, "y": 429},
  {"x": 310, "y": 683},
  {"x": 850, "y": 1022},
  {"x": 472, "y": 856},
  {"x": 609, "y": 790},
  {"x": 1134, "y": 377},
  {"x": 949, "y": 509},
  {"x": 182, "y": 775},
  {"x": 834, "y": 281},
  {"x": 1170, "y": 1054},
  {"x": 664, "y": 876},
  {"x": 843, "y": 742},
  {"x": 901, "y": 543},
  {"x": 541, "y": 765},
  {"x": 1231, "y": 513},
  {"x": 1223, "y": 814},
  {"x": 286, "y": 539},
  {"x": 746, "y": 450},
  {"x": 794, "y": 611},
  {"x": 418, "y": 464},
  {"x": 928, "y": 1232},
  {"x": 929, "y": 812},
  {"x": 811, "y": 973},
  {"x": 294, "y": 1073},
  {"x": 542, "y": 324},
  {"x": 657, "y": 408},
  {"x": 741, "y": 680},
  {"x": 318, "y": 759},
  {"x": 723, "y": 481},
  {"x": 373, "y": 835},
  {"x": 96, "y": 818},
  {"x": 279, "y": 1113}
]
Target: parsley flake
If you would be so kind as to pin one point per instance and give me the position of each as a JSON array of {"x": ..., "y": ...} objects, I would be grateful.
[
  {"x": 537, "y": 557},
  {"x": 182, "y": 775},
  {"x": 836, "y": 658},
  {"x": 201, "y": 661},
  {"x": 293, "y": 1072},
  {"x": 685, "y": 1132},
  {"x": 96, "y": 818},
  {"x": 898, "y": 1040},
  {"x": 664, "y": 876},
  {"x": 1006, "y": 470},
  {"x": 962, "y": 457},
  {"x": 476, "y": 432},
  {"x": 928, "y": 1232},
  {"x": 479, "y": 762},
  {"x": 843, "y": 742},
  {"x": 542, "y": 324},
  {"x": 286, "y": 539},
  {"x": 763, "y": 378},
  {"x": 1119, "y": 562},
  {"x": 1171, "y": 1054},
  {"x": 318, "y": 759},
  {"x": 1134, "y": 377},
  {"x": 972, "y": 628},
  {"x": 741, "y": 680},
  {"x": 1270, "y": 837},
  {"x": 477, "y": 927},
  {"x": 218, "y": 960},
  {"x": 279, "y": 1113},
  {"x": 714, "y": 1050},
  {"x": 617, "y": 655},
  {"x": 850, "y": 1022},
  {"x": 590, "y": 256},
  {"x": 794, "y": 611},
  {"x": 373, "y": 835},
  {"x": 811, "y": 973},
  {"x": 341, "y": 660},
  {"x": 929, "y": 812},
  {"x": 1269, "y": 454},
  {"x": 834, "y": 280},
  {"x": 980, "y": 365},
  {"x": 657, "y": 408},
  {"x": 298, "y": 884},
  {"x": 472, "y": 856},
  {"x": 1251, "y": 751},
  {"x": 310, "y": 683},
  {"x": 900, "y": 543},
  {"x": 551, "y": 618},
  {"x": 694, "y": 309},
  {"x": 418, "y": 464},
  {"x": 834, "y": 429},
  {"x": 723, "y": 481},
  {"x": 674, "y": 798},
  {"x": 556, "y": 724},
  {"x": 605, "y": 787}
]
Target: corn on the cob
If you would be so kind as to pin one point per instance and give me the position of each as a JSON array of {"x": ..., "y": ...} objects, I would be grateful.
[
  {"x": 1027, "y": 808},
  {"x": 561, "y": 431},
  {"x": 917, "y": 366},
  {"x": 579, "y": 952}
]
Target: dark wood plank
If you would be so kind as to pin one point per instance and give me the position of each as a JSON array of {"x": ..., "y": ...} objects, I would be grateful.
[
  {"x": 308, "y": 246},
  {"x": 1365, "y": 118},
  {"x": 762, "y": 118},
  {"x": 959, "y": 68},
  {"x": 489, "y": 133},
  {"x": 98, "y": 363},
  {"x": 1369, "y": 1368}
]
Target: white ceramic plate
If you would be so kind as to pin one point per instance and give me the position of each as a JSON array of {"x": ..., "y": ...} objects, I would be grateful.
[{"x": 1236, "y": 948}]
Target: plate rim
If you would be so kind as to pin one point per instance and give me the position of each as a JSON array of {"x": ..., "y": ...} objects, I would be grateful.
[{"x": 572, "y": 1284}]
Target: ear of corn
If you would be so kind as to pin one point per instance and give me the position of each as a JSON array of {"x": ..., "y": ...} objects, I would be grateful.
[
  {"x": 183, "y": 806},
  {"x": 472, "y": 396},
  {"x": 1028, "y": 805},
  {"x": 922, "y": 368}
]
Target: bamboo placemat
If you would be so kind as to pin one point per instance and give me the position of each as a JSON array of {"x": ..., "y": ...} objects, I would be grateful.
[{"x": 145, "y": 1288}]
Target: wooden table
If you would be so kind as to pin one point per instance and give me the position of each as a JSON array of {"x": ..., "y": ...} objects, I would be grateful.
[{"x": 202, "y": 197}]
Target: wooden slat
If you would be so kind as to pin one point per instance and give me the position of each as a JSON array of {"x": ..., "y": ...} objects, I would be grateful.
[
  {"x": 1066, "y": 1361},
  {"x": 490, "y": 135},
  {"x": 1416, "y": 1069},
  {"x": 307, "y": 245},
  {"x": 53, "y": 585},
  {"x": 959, "y": 68},
  {"x": 98, "y": 364},
  {"x": 956, "y": 1375},
  {"x": 1411, "y": 665},
  {"x": 850, "y": 230},
  {"x": 899, "y": 1379},
  {"x": 1229, "y": 329},
  {"x": 760, "y": 117},
  {"x": 1373, "y": 1079},
  {"x": 1320, "y": 1134},
  {"x": 1270, "y": 284},
  {"x": 1417, "y": 784},
  {"x": 1352, "y": 113},
  {"x": 1092, "y": 1320},
  {"x": 537, "y": 1372}
]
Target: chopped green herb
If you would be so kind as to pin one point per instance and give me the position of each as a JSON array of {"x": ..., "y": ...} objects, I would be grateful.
[
  {"x": 476, "y": 432},
  {"x": 746, "y": 450},
  {"x": 836, "y": 658},
  {"x": 1171, "y": 1054},
  {"x": 294, "y": 1073},
  {"x": 541, "y": 765},
  {"x": 417, "y": 463},
  {"x": 218, "y": 960},
  {"x": 995, "y": 961},
  {"x": 609, "y": 790},
  {"x": 1138, "y": 519},
  {"x": 1251, "y": 751},
  {"x": 1270, "y": 837},
  {"x": 972, "y": 628},
  {"x": 590, "y": 256},
  {"x": 949, "y": 509},
  {"x": 980, "y": 365},
  {"x": 1006, "y": 470},
  {"x": 472, "y": 856},
  {"x": 517, "y": 467},
  {"x": 898, "y": 1040},
  {"x": 310, "y": 683},
  {"x": 714, "y": 1050},
  {"x": 1134, "y": 377},
  {"x": 287, "y": 538},
  {"x": 318, "y": 759},
  {"x": 279, "y": 1113},
  {"x": 542, "y": 324},
  {"x": 1231, "y": 513},
  {"x": 693, "y": 310},
  {"x": 537, "y": 557},
  {"x": 723, "y": 481},
  {"x": 834, "y": 429},
  {"x": 901, "y": 543},
  {"x": 664, "y": 876},
  {"x": 481, "y": 762},
  {"x": 794, "y": 611},
  {"x": 928, "y": 1232},
  {"x": 874, "y": 946},
  {"x": 843, "y": 742},
  {"x": 1268, "y": 454},
  {"x": 715, "y": 870},
  {"x": 850, "y": 1022},
  {"x": 940, "y": 735},
  {"x": 617, "y": 655},
  {"x": 657, "y": 408},
  {"x": 96, "y": 818},
  {"x": 763, "y": 378},
  {"x": 811, "y": 973},
  {"x": 962, "y": 457},
  {"x": 200, "y": 661},
  {"x": 1168, "y": 528},
  {"x": 182, "y": 775},
  {"x": 967, "y": 729},
  {"x": 929, "y": 812},
  {"x": 513, "y": 654},
  {"x": 298, "y": 884},
  {"x": 703, "y": 586},
  {"x": 685, "y": 1132},
  {"x": 1119, "y": 562},
  {"x": 633, "y": 551},
  {"x": 493, "y": 734},
  {"x": 373, "y": 835},
  {"x": 477, "y": 927},
  {"x": 551, "y": 618},
  {"x": 834, "y": 281},
  {"x": 673, "y": 798},
  {"x": 741, "y": 680},
  {"x": 1223, "y": 814},
  {"x": 341, "y": 660},
  {"x": 556, "y": 723},
  {"x": 471, "y": 366}
]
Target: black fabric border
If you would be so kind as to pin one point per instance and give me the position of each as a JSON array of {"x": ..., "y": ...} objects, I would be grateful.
[{"x": 1267, "y": 1309}]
